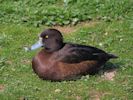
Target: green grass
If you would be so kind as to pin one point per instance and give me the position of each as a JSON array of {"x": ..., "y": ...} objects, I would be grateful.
[
  {"x": 53, "y": 12},
  {"x": 18, "y": 81}
]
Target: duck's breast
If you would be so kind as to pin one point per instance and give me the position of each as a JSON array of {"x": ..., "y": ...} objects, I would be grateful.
[{"x": 42, "y": 64}]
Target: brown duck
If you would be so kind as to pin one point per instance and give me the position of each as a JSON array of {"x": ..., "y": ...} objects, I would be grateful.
[{"x": 59, "y": 61}]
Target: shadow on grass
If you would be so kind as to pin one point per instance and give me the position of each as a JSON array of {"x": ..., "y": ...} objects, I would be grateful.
[{"x": 109, "y": 66}]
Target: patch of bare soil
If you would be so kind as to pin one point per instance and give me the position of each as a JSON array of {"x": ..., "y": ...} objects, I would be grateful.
[
  {"x": 109, "y": 75},
  {"x": 71, "y": 29},
  {"x": 65, "y": 29},
  {"x": 78, "y": 98},
  {"x": 9, "y": 62},
  {"x": 88, "y": 24},
  {"x": 26, "y": 61},
  {"x": 2, "y": 87},
  {"x": 97, "y": 95}
]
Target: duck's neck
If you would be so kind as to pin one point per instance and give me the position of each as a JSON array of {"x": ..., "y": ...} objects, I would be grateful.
[{"x": 54, "y": 48}]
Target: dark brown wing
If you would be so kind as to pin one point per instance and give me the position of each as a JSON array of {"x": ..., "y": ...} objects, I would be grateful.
[{"x": 74, "y": 53}]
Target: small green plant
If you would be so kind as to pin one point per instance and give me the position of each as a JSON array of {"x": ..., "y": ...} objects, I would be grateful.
[{"x": 39, "y": 12}]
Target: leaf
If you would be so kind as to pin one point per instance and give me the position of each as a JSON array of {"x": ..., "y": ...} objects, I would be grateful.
[
  {"x": 66, "y": 22},
  {"x": 75, "y": 21}
]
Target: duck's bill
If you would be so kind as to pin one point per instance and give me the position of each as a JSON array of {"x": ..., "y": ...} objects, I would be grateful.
[{"x": 35, "y": 46}]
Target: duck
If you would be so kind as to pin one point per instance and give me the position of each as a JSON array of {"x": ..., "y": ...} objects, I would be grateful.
[{"x": 61, "y": 61}]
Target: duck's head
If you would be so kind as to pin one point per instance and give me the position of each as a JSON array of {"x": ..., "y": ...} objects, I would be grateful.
[{"x": 50, "y": 39}]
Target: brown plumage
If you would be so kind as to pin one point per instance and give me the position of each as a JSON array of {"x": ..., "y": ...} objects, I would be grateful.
[{"x": 65, "y": 61}]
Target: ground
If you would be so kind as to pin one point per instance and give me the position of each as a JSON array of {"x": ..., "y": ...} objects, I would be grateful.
[{"x": 114, "y": 35}]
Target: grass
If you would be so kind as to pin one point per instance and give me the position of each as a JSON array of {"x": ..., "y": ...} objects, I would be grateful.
[
  {"x": 54, "y": 12},
  {"x": 17, "y": 80}
]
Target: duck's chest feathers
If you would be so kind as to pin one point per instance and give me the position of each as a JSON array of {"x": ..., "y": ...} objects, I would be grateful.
[{"x": 42, "y": 64}]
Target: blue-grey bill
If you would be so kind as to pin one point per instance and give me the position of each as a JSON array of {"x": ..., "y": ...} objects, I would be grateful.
[{"x": 34, "y": 46}]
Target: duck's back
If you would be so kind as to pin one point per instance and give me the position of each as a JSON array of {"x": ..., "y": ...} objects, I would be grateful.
[{"x": 75, "y": 53}]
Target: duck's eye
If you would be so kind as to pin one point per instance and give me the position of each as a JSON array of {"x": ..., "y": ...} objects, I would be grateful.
[{"x": 46, "y": 36}]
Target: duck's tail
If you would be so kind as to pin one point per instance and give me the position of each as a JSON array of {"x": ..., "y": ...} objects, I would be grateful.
[
  {"x": 112, "y": 56},
  {"x": 105, "y": 56}
]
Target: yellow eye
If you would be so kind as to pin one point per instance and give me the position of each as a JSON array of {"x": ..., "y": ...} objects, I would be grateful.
[{"x": 46, "y": 36}]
